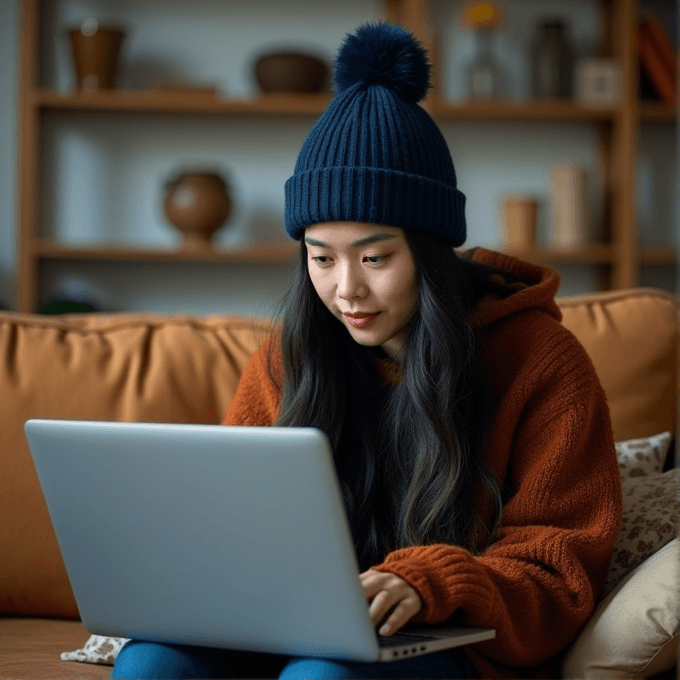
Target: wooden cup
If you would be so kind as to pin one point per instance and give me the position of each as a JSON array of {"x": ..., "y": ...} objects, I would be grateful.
[
  {"x": 520, "y": 222},
  {"x": 95, "y": 54}
]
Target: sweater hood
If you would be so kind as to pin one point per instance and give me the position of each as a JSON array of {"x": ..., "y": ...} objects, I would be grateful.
[{"x": 528, "y": 286}]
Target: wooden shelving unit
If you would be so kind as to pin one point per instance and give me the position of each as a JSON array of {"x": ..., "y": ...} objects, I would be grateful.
[
  {"x": 155, "y": 102},
  {"x": 265, "y": 252},
  {"x": 618, "y": 261}
]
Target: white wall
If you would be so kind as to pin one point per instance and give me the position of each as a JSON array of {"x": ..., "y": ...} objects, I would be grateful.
[{"x": 104, "y": 174}]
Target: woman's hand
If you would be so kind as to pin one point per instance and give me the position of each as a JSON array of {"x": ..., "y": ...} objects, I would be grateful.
[{"x": 388, "y": 594}]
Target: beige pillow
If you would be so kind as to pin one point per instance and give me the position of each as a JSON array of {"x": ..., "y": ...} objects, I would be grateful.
[{"x": 633, "y": 632}]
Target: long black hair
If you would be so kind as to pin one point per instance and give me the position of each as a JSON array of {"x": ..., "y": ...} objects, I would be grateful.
[{"x": 409, "y": 457}]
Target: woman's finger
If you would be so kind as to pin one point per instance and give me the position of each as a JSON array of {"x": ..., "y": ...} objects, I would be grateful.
[
  {"x": 373, "y": 582},
  {"x": 391, "y": 600},
  {"x": 380, "y": 606},
  {"x": 400, "y": 616}
]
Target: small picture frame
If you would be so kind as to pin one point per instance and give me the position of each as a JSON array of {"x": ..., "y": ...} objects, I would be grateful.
[{"x": 598, "y": 82}]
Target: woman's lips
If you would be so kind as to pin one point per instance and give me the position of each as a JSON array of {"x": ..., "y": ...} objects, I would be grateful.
[{"x": 361, "y": 320}]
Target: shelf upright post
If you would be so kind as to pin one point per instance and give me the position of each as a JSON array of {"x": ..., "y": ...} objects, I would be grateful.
[
  {"x": 28, "y": 150},
  {"x": 604, "y": 134},
  {"x": 413, "y": 15},
  {"x": 392, "y": 11},
  {"x": 626, "y": 125}
]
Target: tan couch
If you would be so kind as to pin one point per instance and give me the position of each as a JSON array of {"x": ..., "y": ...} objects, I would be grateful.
[{"x": 185, "y": 369}]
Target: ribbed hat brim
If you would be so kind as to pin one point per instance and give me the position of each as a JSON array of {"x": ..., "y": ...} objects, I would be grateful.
[{"x": 375, "y": 195}]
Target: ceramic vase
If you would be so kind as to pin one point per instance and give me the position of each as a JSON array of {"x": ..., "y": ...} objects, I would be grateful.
[{"x": 197, "y": 204}]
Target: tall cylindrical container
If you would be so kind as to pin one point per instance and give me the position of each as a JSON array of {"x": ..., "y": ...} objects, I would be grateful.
[
  {"x": 552, "y": 61},
  {"x": 569, "y": 206}
]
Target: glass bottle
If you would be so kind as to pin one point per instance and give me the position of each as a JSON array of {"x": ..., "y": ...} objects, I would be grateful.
[
  {"x": 483, "y": 73},
  {"x": 552, "y": 62}
]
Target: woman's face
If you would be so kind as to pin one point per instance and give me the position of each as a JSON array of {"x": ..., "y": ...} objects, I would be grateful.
[{"x": 366, "y": 277}]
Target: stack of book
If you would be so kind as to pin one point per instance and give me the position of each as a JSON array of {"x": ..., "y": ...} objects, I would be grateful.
[{"x": 658, "y": 61}]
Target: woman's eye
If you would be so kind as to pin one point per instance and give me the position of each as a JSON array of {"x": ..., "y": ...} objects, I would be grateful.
[
  {"x": 320, "y": 260},
  {"x": 376, "y": 259}
]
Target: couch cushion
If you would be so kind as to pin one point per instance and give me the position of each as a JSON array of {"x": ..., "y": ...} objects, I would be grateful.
[
  {"x": 97, "y": 367},
  {"x": 632, "y": 338},
  {"x": 31, "y": 650}
]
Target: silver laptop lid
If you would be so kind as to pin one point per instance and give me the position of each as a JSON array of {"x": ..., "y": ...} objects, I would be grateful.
[{"x": 204, "y": 535}]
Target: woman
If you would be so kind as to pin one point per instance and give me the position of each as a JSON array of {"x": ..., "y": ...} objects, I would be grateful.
[{"x": 470, "y": 433}]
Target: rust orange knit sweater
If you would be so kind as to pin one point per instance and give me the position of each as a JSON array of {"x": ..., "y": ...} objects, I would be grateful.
[{"x": 551, "y": 442}]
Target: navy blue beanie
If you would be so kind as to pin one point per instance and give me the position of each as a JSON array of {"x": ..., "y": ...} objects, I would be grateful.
[{"x": 375, "y": 155}]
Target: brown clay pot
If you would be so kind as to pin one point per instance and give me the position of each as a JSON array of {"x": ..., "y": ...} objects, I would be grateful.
[
  {"x": 291, "y": 72},
  {"x": 95, "y": 54},
  {"x": 198, "y": 204}
]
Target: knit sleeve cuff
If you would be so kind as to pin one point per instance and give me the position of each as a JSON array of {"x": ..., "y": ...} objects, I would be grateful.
[{"x": 447, "y": 579}]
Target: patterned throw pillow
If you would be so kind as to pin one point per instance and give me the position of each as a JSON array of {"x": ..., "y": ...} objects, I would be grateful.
[
  {"x": 651, "y": 504},
  {"x": 642, "y": 457},
  {"x": 98, "y": 649}
]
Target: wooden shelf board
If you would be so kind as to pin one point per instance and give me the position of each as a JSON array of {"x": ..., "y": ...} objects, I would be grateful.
[
  {"x": 520, "y": 110},
  {"x": 656, "y": 111},
  {"x": 594, "y": 253},
  {"x": 659, "y": 255},
  {"x": 151, "y": 101},
  {"x": 264, "y": 252}
]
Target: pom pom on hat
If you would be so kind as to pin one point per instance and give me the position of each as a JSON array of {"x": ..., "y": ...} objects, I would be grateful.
[
  {"x": 387, "y": 55},
  {"x": 375, "y": 155}
]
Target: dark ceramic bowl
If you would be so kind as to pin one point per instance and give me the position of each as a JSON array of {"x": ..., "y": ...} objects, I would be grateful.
[{"x": 291, "y": 72}]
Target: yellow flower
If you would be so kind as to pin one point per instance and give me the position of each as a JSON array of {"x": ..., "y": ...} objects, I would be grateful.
[{"x": 477, "y": 15}]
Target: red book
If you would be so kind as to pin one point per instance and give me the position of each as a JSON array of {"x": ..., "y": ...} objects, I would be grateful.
[
  {"x": 655, "y": 65},
  {"x": 660, "y": 40}
]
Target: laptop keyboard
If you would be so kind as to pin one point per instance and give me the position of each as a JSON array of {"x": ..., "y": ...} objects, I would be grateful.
[{"x": 398, "y": 639}]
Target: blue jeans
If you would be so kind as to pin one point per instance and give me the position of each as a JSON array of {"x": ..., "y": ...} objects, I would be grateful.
[{"x": 145, "y": 660}]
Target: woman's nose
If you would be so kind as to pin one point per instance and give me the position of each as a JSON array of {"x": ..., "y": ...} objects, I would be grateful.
[{"x": 350, "y": 283}]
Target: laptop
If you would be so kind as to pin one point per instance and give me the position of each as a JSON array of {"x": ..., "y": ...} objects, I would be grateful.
[{"x": 230, "y": 537}]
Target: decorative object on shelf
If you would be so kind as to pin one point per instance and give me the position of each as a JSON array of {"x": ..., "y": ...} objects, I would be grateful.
[
  {"x": 291, "y": 72},
  {"x": 520, "y": 221},
  {"x": 552, "y": 61},
  {"x": 657, "y": 59},
  {"x": 598, "y": 82},
  {"x": 95, "y": 51},
  {"x": 569, "y": 205},
  {"x": 198, "y": 204},
  {"x": 484, "y": 74}
]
